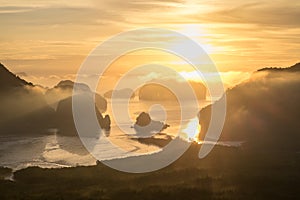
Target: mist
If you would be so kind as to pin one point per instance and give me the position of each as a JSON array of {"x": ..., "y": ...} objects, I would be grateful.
[
  {"x": 262, "y": 111},
  {"x": 25, "y": 110}
]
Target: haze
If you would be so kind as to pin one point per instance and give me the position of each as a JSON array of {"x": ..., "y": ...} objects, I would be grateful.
[{"x": 47, "y": 41}]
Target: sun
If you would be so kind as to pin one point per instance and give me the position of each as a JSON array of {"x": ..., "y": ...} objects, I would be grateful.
[{"x": 197, "y": 33}]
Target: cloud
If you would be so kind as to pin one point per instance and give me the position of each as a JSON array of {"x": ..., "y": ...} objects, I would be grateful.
[
  {"x": 229, "y": 79},
  {"x": 264, "y": 14},
  {"x": 22, "y": 74},
  {"x": 245, "y": 33},
  {"x": 15, "y": 9},
  {"x": 57, "y": 15}
]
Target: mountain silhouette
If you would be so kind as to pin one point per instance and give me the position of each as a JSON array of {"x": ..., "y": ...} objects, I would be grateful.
[
  {"x": 120, "y": 94},
  {"x": 8, "y": 80},
  {"x": 65, "y": 121},
  {"x": 67, "y": 84},
  {"x": 158, "y": 92},
  {"x": 23, "y": 108},
  {"x": 61, "y": 96},
  {"x": 294, "y": 68},
  {"x": 263, "y": 111},
  {"x": 64, "y": 90}
]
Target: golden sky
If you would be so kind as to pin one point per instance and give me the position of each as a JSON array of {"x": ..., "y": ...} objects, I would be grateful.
[{"x": 49, "y": 39}]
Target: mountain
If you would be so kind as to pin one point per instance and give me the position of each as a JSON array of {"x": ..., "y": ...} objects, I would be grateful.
[
  {"x": 264, "y": 111},
  {"x": 23, "y": 108},
  {"x": 65, "y": 121},
  {"x": 120, "y": 94},
  {"x": 294, "y": 68},
  {"x": 69, "y": 85},
  {"x": 8, "y": 80},
  {"x": 60, "y": 97},
  {"x": 157, "y": 92},
  {"x": 64, "y": 90}
]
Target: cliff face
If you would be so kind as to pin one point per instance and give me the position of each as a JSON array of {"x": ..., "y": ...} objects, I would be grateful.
[
  {"x": 263, "y": 111},
  {"x": 65, "y": 121},
  {"x": 60, "y": 97}
]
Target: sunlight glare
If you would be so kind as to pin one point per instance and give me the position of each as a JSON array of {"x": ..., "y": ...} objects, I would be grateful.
[
  {"x": 197, "y": 33},
  {"x": 192, "y": 130}
]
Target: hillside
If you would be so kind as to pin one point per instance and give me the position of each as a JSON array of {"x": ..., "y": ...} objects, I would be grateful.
[
  {"x": 23, "y": 108},
  {"x": 26, "y": 110},
  {"x": 8, "y": 80},
  {"x": 263, "y": 111},
  {"x": 294, "y": 68}
]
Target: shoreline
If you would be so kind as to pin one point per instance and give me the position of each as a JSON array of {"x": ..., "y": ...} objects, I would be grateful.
[
  {"x": 226, "y": 173},
  {"x": 148, "y": 141}
]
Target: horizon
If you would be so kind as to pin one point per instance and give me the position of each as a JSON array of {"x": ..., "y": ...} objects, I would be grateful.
[{"x": 48, "y": 41}]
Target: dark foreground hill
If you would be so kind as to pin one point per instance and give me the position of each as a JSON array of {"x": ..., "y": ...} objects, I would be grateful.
[
  {"x": 263, "y": 111},
  {"x": 8, "y": 80},
  {"x": 226, "y": 173},
  {"x": 23, "y": 108}
]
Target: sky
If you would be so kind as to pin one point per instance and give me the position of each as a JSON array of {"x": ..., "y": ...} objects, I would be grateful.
[{"x": 47, "y": 40}]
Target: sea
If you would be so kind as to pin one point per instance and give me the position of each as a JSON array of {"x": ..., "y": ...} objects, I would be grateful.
[{"x": 57, "y": 151}]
